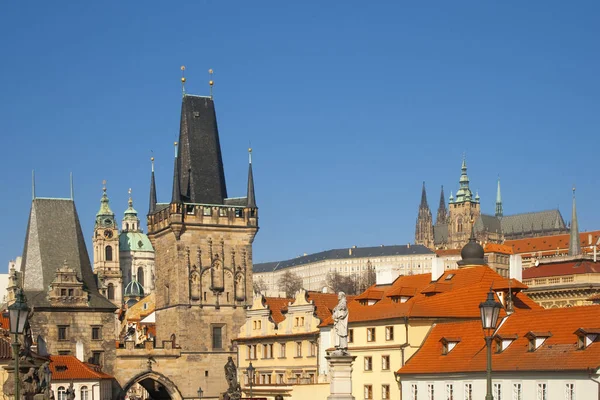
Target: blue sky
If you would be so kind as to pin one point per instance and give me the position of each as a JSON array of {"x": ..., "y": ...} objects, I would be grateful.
[{"x": 349, "y": 107}]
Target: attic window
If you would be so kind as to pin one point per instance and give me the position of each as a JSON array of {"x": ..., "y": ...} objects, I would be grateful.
[
  {"x": 503, "y": 341},
  {"x": 536, "y": 339},
  {"x": 586, "y": 336},
  {"x": 448, "y": 344},
  {"x": 61, "y": 368},
  {"x": 450, "y": 276}
]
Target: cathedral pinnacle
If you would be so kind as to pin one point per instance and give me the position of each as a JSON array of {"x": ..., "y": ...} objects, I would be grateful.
[
  {"x": 574, "y": 240},
  {"x": 251, "y": 196},
  {"x": 176, "y": 198},
  {"x": 424, "y": 204},
  {"x": 499, "y": 211},
  {"x": 442, "y": 213},
  {"x": 152, "y": 207}
]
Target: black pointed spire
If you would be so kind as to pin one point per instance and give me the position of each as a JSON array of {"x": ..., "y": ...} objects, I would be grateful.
[
  {"x": 176, "y": 198},
  {"x": 251, "y": 196},
  {"x": 424, "y": 198},
  {"x": 442, "y": 214},
  {"x": 574, "y": 240},
  {"x": 152, "y": 207}
]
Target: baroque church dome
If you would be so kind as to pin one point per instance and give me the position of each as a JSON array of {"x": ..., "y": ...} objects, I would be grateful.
[{"x": 134, "y": 289}]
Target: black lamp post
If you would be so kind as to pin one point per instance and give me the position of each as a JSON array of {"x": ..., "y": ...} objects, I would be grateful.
[
  {"x": 18, "y": 312},
  {"x": 250, "y": 370},
  {"x": 200, "y": 393},
  {"x": 490, "y": 309}
]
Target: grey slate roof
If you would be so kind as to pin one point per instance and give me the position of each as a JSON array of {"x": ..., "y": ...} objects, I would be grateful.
[
  {"x": 538, "y": 221},
  {"x": 336, "y": 254},
  {"x": 488, "y": 223},
  {"x": 236, "y": 201},
  {"x": 440, "y": 233},
  {"x": 200, "y": 164},
  {"x": 54, "y": 236}
]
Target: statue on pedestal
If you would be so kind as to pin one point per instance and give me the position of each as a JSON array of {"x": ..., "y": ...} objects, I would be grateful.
[
  {"x": 340, "y": 325},
  {"x": 234, "y": 391}
]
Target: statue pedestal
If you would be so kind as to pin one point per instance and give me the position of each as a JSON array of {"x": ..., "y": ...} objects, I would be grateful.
[{"x": 340, "y": 372}]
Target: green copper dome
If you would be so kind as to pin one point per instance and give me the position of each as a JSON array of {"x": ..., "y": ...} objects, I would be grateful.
[
  {"x": 134, "y": 241},
  {"x": 134, "y": 289}
]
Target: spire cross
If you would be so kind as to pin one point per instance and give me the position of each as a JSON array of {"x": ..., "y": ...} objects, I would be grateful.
[
  {"x": 210, "y": 82},
  {"x": 104, "y": 185},
  {"x": 183, "y": 80}
]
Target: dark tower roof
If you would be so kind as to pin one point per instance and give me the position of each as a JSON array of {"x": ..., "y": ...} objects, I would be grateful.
[
  {"x": 251, "y": 197},
  {"x": 53, "y": 239},
  {"x": 574, "y": 240},
  {"x": 152, "y": 207},
  {"x": 201, "y": 178},
  {"x": 176, "y": 197},
  {"x": 423, "y": 198},
  {"x": 442, "y": 213},
  {"x": 472, "y": 253}
]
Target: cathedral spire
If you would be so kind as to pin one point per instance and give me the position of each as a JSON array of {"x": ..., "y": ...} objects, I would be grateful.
[
  {"x": 423, "y": 198},
  {"x": 424, "y": 225},
  {"x": 152, "y": 207},
  {"x": 176, "y": 198},
  {"x": 574, "y": 240},
  {"x": 442, "y": 213},
  {"x": 499, "y": 211},
  {"x": 251, "y": 197},
  {"x": 105, "y": 216},
  {"x": 464, "y": 192}
]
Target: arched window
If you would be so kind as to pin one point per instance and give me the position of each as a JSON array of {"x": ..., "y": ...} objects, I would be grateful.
[
  {"x": 108, "y": 253},
  {"x": 126, "y": 226},
  {"x": 84, "y": 393},
  {"x": 140, "y": 276},
  {"x": 111, "y": 291},
  {"x": 62, "y": 393}
]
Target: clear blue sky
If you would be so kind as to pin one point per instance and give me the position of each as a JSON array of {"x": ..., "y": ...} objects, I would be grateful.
[{"x": 349, "y": 107}]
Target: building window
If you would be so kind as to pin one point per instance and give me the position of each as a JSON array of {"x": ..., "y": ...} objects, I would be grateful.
[
  {"x": 370, "y": 334},
  {"x": 389, "y": 333},
  {"x": 206, "y": 211},
  {"x": 282, "y": 350},
  {"x": 570, "y": 391},
  {"x": 350, "y": 335},
  {"x": 313, "y": 349},
  {"x": 140, "y": 276},
  {"x": 279, "y": 379},
  {"x": 468, "y": 391},
  {"x": 368, "y": 392},
  {"x": 108, "y": 253},
  {"x": 542, "y": 391},
  {"x": 96, "y": 332},
  {"x": 385, "y": 392},
  {"x": 222, "y": 212},
  {"x": 62, "y": 332},
  {"x": 385, "y": 363},
  {"x": 517, "y": 391},
  {"x": 239, "y": 213},
  {"x": 497, "y": 392},
  {"x": 298, "y": 349},
  {"x": 62, "y": 393},
  {"x": 111, "y": 291},
  {"x": 368, "y": 363},
  {"x": 251, "y": 352},
  {"x": 430, "y": 391},
  {"x": 96, "y": 358},
  {"x": 414, "y": 391},
  {"x": 268, "y": 350},
  {"x": 84, "y": 393},
  {"x": 217, "y": 337},
  {"x": 449, "y": 391}
]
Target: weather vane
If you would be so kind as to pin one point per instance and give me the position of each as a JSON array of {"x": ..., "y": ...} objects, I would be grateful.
[
  {"x": 183, "y": 80},
  {"x": 210, "y": 82}
]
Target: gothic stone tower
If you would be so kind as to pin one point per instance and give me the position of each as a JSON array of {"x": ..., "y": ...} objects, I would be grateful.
[
  {"x": 203, "y": 247},
  {"x": 464, "y": 210},
  {"x": 106, "y": 253},
  {"x": 424, "y": 227}
]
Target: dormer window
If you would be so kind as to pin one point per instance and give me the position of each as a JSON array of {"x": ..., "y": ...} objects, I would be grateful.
[
  {"x": 448, "y": 344},
  {"x": 503, "y": 341},
  {"x": 536, "y": 339},
  {"x": 586, "y": 336}
]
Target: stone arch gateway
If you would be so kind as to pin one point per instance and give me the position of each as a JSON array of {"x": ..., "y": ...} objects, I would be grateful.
[{"x": 158, "y": 385}]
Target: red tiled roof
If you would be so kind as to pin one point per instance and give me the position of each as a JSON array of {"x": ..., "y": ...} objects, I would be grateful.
[
  {"x": 572, "y": 267},
  {"x": 558, "y": 352},
  {"x": 370, "y": 294},
  {"x": 498, "y": 248},
  {"x": 278, "y": 306},
  {"x": 4, "y": 321},
  {"x": 514, "y": 285},
  {"x": 325, "y": 303},
  {"x": 549, "y": 244},
  {"x": 67, "y": 368}
]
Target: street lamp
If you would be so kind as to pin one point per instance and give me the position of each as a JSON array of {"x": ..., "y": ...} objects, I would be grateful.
[
  {"x": 490, "y": 309},
  {"x": 200, "y": 393},
  {"x": 17, "y": 315},
  {"x": 250, "y": 370}
]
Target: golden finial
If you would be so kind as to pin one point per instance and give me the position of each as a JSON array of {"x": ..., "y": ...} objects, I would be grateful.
[
  {"x": 211, "y": 82},
  {"x": 250, "y": 155},
  {"x": 152, "y": 161},
  {"x": 104, "y": 185},
  {"x": 183, "y": 80},
  {"x": 130, "y": 200}
]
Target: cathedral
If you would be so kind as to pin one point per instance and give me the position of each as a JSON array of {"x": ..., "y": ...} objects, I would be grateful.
[{"x": 453, "y": 224}]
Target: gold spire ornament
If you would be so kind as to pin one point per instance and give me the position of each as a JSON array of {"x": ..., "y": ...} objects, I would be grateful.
[
  {"x": 152, "y": 160},
  {"x": 104, "y": 185},
  {"x": 175, "y": 145},
  {"x": 183, "y": 80},
  {"x": 211, "y": 82}
]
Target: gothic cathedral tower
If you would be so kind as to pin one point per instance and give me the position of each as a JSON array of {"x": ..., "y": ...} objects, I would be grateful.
[
  {"x": 424, "y": 228},
  {"x": 106, "y": 253},
  {"x": 464, "y": 211},
  {"x": 203, "y": 247}
]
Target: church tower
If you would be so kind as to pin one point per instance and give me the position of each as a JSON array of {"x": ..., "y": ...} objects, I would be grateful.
[
  {"x": 442, "y": 213},
  {"x": 464, "y": 211},
  {"x": 106, "y": 252},
  {"x": 424, "y": 228},
  {"x": 203, "y": 244}
]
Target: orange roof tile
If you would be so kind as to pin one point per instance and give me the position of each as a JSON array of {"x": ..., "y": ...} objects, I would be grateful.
[
  {"x": 370, "y": 294},
  {"x": 67, "y": 368},
  {"x": 514, "y": 285},
  {"x": 278, "y": 306},
  {"x": 557, "y": 353},
  {"x": 325, "y": 303},
  {"x": 572, "y": 267},
  {"x": 498, "y": 248},
  {"x": 549, "y": 244}
]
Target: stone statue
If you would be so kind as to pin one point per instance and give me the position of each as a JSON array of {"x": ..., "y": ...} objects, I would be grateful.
[
  {"x": 44, "y": 376},
  {"x": 340, "y": 324},
  {"x": 70, "y": 392},
  {"x": 234, "y": 391}
]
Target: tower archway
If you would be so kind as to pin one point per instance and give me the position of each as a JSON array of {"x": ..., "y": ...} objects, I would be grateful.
[{"x": 156, "y": 385}]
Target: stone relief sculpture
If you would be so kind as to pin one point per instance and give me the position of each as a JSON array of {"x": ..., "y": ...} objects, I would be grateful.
[{"x": 340, "y": 324}]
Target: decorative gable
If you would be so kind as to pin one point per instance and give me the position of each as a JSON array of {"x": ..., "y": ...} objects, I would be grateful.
[{"x": 66, "y": 289}]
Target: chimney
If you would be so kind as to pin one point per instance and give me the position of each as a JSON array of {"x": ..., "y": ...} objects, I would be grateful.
[
  {"x": 350, "y": 251},
  {"x": 590, "y": 239},
  {"x": 515, "y": 267},
  {"x": 408, "y": 246},
  {"x": 437, "y": 268},
  {"x": 595, "y": 251}
]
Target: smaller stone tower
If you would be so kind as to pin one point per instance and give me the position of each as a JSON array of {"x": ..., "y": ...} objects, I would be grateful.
[
  {"x": 106, "y": 252},
  {"x": 424, "y": 226},
  {"x": 442, "y": 213}
]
